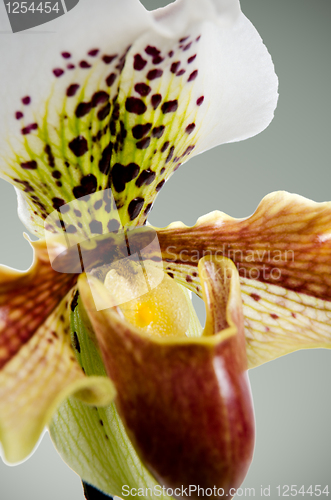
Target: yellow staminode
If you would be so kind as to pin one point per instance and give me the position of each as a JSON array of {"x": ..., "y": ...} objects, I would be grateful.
[{"x": 156, "y": 307}]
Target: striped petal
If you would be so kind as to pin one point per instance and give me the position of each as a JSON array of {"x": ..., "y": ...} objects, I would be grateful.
[
  {"x": 38, "y": 368},
  {"x": 170, "y": 390},
  {"x": 125, "y": 106},
  {"x": 283, "y": 255}
]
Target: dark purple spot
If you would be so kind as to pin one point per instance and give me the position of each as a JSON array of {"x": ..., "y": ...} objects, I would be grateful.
[
  {"x": 56, "y": 174},
  {"x": 112, "y": 127},
  {"x": 274, "y": 316},
  {"x": 59, "y": 223},
  {"x": 18, "y": 115},
  {"x": 113, "y": 225},
  {"x": 67, "y": 164},
  {"x": 122, "y": 134},
  {"x": 188, "y": 150},
  {"x": 58, "y": 72},
  {"x": 107, "y": 59},
  {"x": 104, "y": 163},
  {"x": 198, "y": 38},
  {"x": 181, "y": 72},
  {"x": 187, "y": 46},
  {"x": 193, "y": 75},
  {"x": 171, "y": 154},
  {"x": 72, "y": 89},
  {"x": 171, "y": 275},
  {"x": 66, "y": 55},
  {"x": 110, "y": 79},
  {"x": 155, "y": 100},
  {"x": 177, "y": 167},
  {"x": 148, "y": 208},
  {"x": 189, "y": 129},
  {"x": 255, "y": 296},
  {"x": 96, "y": 227},
  {"x": 27, "y": 187},
  {"x": 157, "y": 60},
  {"x": 26, "y": 130},
  {"x": 76, "y": 342},
  {"x": 71, "y": 229},
  {"x": 99, "y": 98},
  {"x": 158, "y": 132},
  {"x": 183, "y": 39},
  {"x": 71, "y": 66},
  {"x": 200, "y": 100},
  {"x": 165, "y": 146},
  {"x": 93, "y": 52},
  {"x": 188, "y": 278},
  {"x": 171, "y": 53},
  {"x": 146, "y": 177},
  {"x": 169, "y": 106},
  {"x": 159, "y": 186},
  {"x": 175, "y": 67},
  {"x": 139, "y": 131},
  {"x": 57, "y": 203},
  {"x": 162, "y": 170},
  {"x": 191, "y": 59},
  {"x": 26, "y": 100},
  {"x": 78, "y": 146},
  {"x": 144, "y": 143},
  {"x": 29, "y": 165},
  {"x": 104, "y": 112},
  {"x": 135, "y": 207},
  {"x": 122, "y": 174},
  {"x": 134, "y": 105},
  {"x": 142, "y": 89},
  {"x": 139, "y": 62},
  {"x": 152, "y": 51},
  {"x": 154, "y": 73},
  {"x": 116, "y": 112},
  {"x": 83, "y": 109},
  {"x": 84, "y": 64},
  {"x": 88, "y": 185}
]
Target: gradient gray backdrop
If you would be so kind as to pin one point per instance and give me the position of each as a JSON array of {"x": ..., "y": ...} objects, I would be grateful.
[{"x": 292, "y": 395}]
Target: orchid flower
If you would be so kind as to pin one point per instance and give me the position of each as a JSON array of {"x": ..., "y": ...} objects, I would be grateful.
[{"x": 117, "y": 98}]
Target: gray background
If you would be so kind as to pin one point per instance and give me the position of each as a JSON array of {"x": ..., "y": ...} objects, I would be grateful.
[{"x": 292, "y": 395}]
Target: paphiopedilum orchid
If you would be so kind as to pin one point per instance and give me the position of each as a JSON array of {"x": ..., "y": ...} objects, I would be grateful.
[{"x": 117, "y": 99}]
